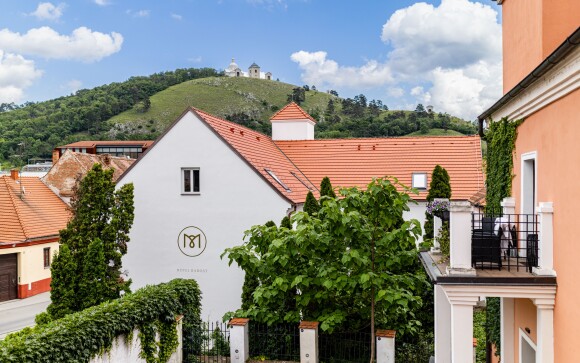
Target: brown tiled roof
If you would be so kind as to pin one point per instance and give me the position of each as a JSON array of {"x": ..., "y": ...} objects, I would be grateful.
[
  {"x": 291, "y": 112},
  {"x": 64, "y": 173},
  {"x": 38, "y": 214},
  {"x": 478, "y": 199},
  {"x": 262, "y": 154},
  {"x": 93, "y": 143},
  {"x": 354, "y": 162}
]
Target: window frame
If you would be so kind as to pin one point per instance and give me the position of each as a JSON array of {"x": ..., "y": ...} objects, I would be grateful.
[
  {"x": 277, "y": 180},
  {"x": 426, "y": 180},
  {"x": 46, "y": 257},
  {"x": 182, "y": 177}
]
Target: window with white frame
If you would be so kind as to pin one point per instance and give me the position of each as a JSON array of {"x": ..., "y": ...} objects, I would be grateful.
[
  {"x": 190, "y": 181},
  {"x": 419, "y": 181}
]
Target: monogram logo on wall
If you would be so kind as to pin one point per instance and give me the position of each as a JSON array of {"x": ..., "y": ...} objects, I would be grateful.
[{"x": 191, "y": 241}]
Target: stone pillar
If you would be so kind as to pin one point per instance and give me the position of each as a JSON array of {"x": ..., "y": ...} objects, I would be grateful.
[
  {"x": 385, "y": 340},
  {"x": 460, "y": 239},
  {"x": 442, "y": 326},
  {"x": 462, "y": 329},
  {"x": 308, "y": 341},
  {"x": 239, "y": 340},
  {"x": 545, "y": 334},
  {"x": 545, "y": 240},
  {"x": 508, "y": 205},
  {"x": 507, "y": 329}
]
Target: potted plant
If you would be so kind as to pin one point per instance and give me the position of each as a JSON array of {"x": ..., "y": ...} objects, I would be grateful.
[{"x": 439, "y": 209}]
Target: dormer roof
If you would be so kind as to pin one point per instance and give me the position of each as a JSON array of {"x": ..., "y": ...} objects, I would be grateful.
[
  {"x": 254, "y": 65},
  {"x": 292, "y": 112}
]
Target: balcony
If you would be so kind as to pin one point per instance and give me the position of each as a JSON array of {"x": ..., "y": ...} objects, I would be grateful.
[{"x": 500, "y": 248}]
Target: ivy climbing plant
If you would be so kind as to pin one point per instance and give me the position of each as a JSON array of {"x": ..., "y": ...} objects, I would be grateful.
[{"x": 501, "y": 141}]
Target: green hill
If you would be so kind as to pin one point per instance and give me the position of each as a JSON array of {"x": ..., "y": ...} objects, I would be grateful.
[
  {"x": 221, "y": 96},
  {"x": 436, "y": 132}
]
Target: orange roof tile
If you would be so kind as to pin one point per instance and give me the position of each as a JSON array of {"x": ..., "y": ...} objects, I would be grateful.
[
  {"x": 40, "y": 214},
  {"x": 63, "y": 175},
  {"x": 291, "y": 112},
  {"x": 262, "y": 154},
  {"x": 354, "y": 162}
]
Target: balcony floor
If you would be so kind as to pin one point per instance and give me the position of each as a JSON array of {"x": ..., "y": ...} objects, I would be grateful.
[{"x": 436, "y": 266}]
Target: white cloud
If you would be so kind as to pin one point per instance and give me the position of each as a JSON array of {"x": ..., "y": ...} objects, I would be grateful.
[
  {"x": 395, "y": 92},
  {"x": 176, "y": 16},
  {"x": 48, "y": 11},
  {"x": 16, "y": 74},
  {"x": 323, "y": 72},
  {"x": 102, "y": 2},
  {"x": 139, "y": 13},
  {"x": 83, "y": 44},
  {"x": 73, "y": 85},
  {"x": 449, "y": 55}
]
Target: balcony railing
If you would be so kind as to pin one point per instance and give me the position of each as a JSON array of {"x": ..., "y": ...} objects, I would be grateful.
[{"x": 503, "y": 240}]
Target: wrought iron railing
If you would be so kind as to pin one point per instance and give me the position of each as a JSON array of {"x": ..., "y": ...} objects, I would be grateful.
[
  {"x": 208, "y": 343},
  {"x": 504, "y": 240},
  {"x": 342, "y": 347},
  {"x": 279, "y": 342}
]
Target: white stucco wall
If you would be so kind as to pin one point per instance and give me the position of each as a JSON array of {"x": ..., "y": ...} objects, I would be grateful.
[
  {"x": 417, "y": 211},
  {"x": 233, "y": 198},
  {"x": 30, "y": 261},
  {"x": 293, "y": 130}
]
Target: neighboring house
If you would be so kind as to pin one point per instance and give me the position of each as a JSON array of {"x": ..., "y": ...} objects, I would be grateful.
[
  {"x": 73, "y": 166},
  {"x": 234, "y": 70},
  {"x": 130, "y": 149},
  {"x": 206, "y": 180},
  {"x": 539, "y": 301},
  {"x": 31, "y": 216}
]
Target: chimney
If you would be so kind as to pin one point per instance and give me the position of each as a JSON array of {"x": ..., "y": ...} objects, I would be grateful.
[
  {"x": 14, "y": 174},
  {"x": 292, "y": 123},
  {"x": 55, "y": 155}
]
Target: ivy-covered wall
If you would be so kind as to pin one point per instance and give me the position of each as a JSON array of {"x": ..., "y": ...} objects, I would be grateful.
[
  {"x": 501, "y": 140},
  {"x": 81, "y": 336}
]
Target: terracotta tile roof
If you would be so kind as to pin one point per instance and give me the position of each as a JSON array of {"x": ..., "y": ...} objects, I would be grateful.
[
  {"x": 93, "y": 143},
  {"x": 291, "y": 112},
  {"x": 478, "y": 199},
  {"x": 354, "y": 162},
  {"x": 63, "y": 175},
  {"x": 262, "y": 154},
  {"x": 40, "y": 214}
]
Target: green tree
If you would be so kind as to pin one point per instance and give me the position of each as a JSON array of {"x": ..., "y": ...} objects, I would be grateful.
[
  {"x": 326, "y": 188},
  {"x": 62, "y": 285},
  {"x": 355, "y": 261},
  {"x": 311, "y": 205},
  {"x": 93, "y": 283},
  {"x": 101, "y": 217},
  {"x": 286, "y": 223},
  {"x": 439, "y": 187}
]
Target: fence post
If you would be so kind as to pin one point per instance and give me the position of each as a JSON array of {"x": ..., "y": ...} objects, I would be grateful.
[
  {"x": 308, "y": 341},
  {"x": 385, "y": 346},
  {"x": 239, "y": 340},
  {"x": 460, "y": 239},
  {"x": 508, "y": 205}
]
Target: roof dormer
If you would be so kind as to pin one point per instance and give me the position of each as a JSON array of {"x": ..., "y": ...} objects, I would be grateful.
[{"x": 292, "y": 123}]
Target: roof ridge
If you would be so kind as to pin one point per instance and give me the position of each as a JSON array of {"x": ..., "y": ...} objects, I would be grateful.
[
  {"x": 230, "y": 122},
  {"x": 384, "y": 138},
  {"x": 16, "y": 209},
  {"x": 298, "y": 108}
]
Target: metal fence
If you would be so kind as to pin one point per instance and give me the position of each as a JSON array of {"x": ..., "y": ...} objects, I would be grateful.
[
  {"x": 499, "y": 240},
  {"x": 274, "y": 342},
  {"x": 207, "y": 343},
  {"x": 342, "y": 347}
]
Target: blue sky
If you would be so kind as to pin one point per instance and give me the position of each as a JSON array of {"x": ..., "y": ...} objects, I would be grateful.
[{"x": 446, "y": 52}]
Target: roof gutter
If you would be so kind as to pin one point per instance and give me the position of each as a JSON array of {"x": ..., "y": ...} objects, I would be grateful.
[{"x": 553, "y": 59}]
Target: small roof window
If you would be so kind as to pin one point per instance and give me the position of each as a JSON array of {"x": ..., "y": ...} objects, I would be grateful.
[
  {"x": 301, "y": 181},
  {"x": 275, "y": 177},
  {"x": 420, "y": 181}
]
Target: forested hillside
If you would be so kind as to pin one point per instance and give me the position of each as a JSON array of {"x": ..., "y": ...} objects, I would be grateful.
[{"x": 142, "y": 107}]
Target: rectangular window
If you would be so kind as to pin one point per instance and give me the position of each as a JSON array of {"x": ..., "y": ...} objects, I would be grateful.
[
  {"x": 275, "y": 177},
  {"x": 46, "y": 253},
  {"x": 420, "y": 180},
  {"x": 190, "y": 181}
]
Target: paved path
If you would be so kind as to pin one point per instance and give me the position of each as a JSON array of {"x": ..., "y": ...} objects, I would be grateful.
[{"x": 18, "y": 314}]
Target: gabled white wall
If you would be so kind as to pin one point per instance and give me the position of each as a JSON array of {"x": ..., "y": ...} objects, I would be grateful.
[
  {"x": 233, "y": 198},
  {"x": 293, "y": 130}
]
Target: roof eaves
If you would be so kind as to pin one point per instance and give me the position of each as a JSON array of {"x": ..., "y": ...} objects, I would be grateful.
[{"x": 16, "y": 210}]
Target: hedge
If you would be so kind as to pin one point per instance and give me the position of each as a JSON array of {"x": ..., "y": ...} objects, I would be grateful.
[{"x": 80, "y": 336}]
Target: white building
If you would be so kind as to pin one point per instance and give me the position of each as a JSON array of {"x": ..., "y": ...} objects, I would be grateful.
[
  {"x": 206, "y": 180},
  {"x": 233, "y": 70}
]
